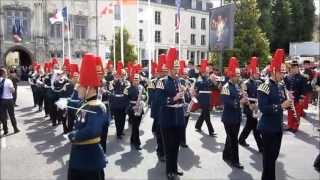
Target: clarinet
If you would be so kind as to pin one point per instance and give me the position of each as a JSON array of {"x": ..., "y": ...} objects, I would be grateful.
[{"x": 292, "y": 104}]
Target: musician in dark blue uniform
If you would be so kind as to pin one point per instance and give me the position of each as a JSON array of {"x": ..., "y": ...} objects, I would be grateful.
[
  {"x": 170, "y": 98},
  {"x": 47, "y": 87},
  {"x": 203, "y": 89},
  {"x": 33, "y": 76},
  {"x": 155, "y": 110},
  {"x": 296, "y": 84},
  {"x": 87, "y": 160},
  {"x": 249, "y": 89},
  {"x": 136, "y": 96},
  {"x": 119, "y": 100},
  {"x": 231, "y": 116},
  {"x": 272, "y": 103}
]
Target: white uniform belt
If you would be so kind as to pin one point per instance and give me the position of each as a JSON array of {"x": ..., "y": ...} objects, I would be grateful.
[
  {"x": 204, "y": 92},
  {"x": 105, "y": 102},
  {"x": 118, "y": 95},
  {"x": 253, "y": 99},
  {"x": 133, "y": 102},
  {"x": 175, "y": 106}
]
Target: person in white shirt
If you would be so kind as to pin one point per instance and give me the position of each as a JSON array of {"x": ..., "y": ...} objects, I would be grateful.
[{"x": 7, "y": 103}]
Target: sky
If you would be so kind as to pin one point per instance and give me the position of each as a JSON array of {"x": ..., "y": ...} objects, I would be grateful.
[{"x": 216, "y": 3}]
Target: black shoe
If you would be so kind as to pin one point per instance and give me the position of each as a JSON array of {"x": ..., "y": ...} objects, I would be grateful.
[
  {"x": 244, "y": 144},
  {"x": 237, "y": 165},
  {"x": 54, "y": 124},
  {"x": 16, "y": 105},
  {"x": 16, "y": 131},
  {"x": 179, "y": 173},
  {"x": 184, "y": 145},
  {"x": 138, "y": 148},
  {"x": 5, "y": 132},
  {"x": 198, "y": 129},
  {"x": 162, "y": 158},
  {"x": 212, "y": 134},
  {"x": 45, "y": 116},
  {"x": 171, "y": 176},
  {"x": 261, "y": 150}
]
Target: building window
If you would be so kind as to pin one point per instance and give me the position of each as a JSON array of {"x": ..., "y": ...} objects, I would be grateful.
[
  {"x": 203, "y": 23},
  {"x": 80, "y": 27},
  {"x": 17, "y": 21},
  {"x": 192, "y": 56},
  {"x": 55, "y": 31},
  {"x": 193, "y": 39},
  {"x": 203, "y": 39},
  {"x": 140, "y": 35},
  {"x": 199, "y": 5},
  {"x": 157, "y": 17},
  {"x": 177, "y": 38},
  {"x": 117, "y": 15},
  {"x": 157, "y": 36},
  {"x": 193, "y": 22},
  {"x": 203, "y": 55},
  {"x": 188, "y": 54}
]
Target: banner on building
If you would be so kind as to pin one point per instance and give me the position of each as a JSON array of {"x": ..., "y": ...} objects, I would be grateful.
[{"x": 221, "y": 31}]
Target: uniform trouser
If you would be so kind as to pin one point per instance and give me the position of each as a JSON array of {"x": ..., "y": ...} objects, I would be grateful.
[
  {"x": 271, "y": 149},
  {"x": 316, "y": 163},
  {"x": 71, "y": 117},
  {"x": 183, "y": 131},
  {"x": 46, "y": 102},
  {"x": 157, "y": 131},
  {"x": 103, "y": 141},
  {"x": 15, "y": 94},
  {"x": 293, "y": 122},
  {"x": 7, "y": 107},
  {"x": 41, "y": 95},
  {"x": 171, "y": 143},
  {"x": 251, "y": 125},
  {"x": 34, "y": 89},
  {"x": 231, "y": 147},
  {"x": 135, "y": 122},
  {"x": 74, "y": 174},
  {"x": 120, "y": 120},
  {"x": 205, "y": 116},
  {"x": 62, "y": 118}
]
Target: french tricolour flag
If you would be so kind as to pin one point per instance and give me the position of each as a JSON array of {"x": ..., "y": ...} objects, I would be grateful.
[{"x": 59, "y": 16}]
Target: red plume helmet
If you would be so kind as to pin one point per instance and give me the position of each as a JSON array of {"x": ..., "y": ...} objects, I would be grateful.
[
  {"x": 277, "y": 61},
  {"x": 232, "y": 67},
  {"x": 171, "y": 57},
  {"x": 88, "y": 71},
  {"x": 119, "y": 68},
  {"x": 253, "y": 66},
  {"x": 203, "y": 65}
]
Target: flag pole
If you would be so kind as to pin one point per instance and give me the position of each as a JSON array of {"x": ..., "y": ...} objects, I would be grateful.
[
  {"x": 138, "y": 35},
  {"x": 114, "y": 38},
  {"x": 149, "y": 40},
  {"x": 68, "y": 35},
  {"x": 121, "y": 31},
  {"x": 62, "y": 27}
]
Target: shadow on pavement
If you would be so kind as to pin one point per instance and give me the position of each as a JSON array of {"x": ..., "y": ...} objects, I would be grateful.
[
  {"x": 313, "y": 140},
  {"x": 157, "y": 172},
  {"x": 25, "y": 109},
  {"x": 237, "y": 174},
  {"x": 188, "y": 159},
  {"x": 150, "y": 145},
  {"x": 211, "y": 144},
  {"x": 129, "y": 160}
]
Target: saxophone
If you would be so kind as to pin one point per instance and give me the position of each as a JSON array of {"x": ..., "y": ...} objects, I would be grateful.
[{"x": 138, "y": 108}]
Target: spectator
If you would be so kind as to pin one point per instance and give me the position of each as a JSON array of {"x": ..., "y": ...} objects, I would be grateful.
[
  {"x": 14, "y": 78},
  {"x": 7, "y": 102}
]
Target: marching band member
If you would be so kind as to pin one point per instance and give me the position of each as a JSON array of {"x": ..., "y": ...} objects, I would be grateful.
[
  {"x": 186, "y": 84},
  {"x": 231, "y": 116},
  {"x": 295, "y": 83},
  {"x": 40, "y": 89},
  {"x": 47, "y": 87},
  {"x": 249, "y": 88},
  {"x": 136, "y": 96},
  {"x": 308, "y": 74},
  {"x": 118, "y": 99},
  {"x": 33, "y": 76},
  {"x": 203, "y": 89},
  {"x": 87, "y": 160},
  {"x": 272, "y": 103},
  {"x": 171, "y": 115},
  {"x": 155, "y": 108}
]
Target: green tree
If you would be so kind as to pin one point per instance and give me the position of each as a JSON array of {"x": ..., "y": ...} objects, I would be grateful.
[
  {"x": 129, "y": 51},
  {"x": 297, "y": 21},
  {"x": 249, "y": 39},
  {"x": 265, "y": 20},
  {"x": 281, "y": 25},
  {"x": 309, "y": 19}
]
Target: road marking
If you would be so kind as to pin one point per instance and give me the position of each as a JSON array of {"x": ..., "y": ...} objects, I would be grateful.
[{"x": 3, "y": 143}]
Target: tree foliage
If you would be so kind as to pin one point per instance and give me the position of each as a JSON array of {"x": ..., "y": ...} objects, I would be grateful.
[{"x": 129, "y": 51}]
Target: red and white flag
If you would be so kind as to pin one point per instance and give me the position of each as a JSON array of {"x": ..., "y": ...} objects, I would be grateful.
[{"x": 108, "y": 9}]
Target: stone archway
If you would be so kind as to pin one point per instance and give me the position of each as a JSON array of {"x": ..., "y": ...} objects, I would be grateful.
[{"x": 18, "y": 56}]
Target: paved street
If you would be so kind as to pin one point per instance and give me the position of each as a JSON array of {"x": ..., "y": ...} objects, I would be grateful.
[{"x": 40, "y": 152}]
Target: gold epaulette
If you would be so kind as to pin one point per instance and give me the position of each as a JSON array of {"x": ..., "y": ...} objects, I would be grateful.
[
  {"x": 111, "y": 85},
  {"x": 125, "y": 91},
  {"x": 160, "y": 84},
  {"x": 95, "y": 140},
  {"x": 151, "y": 84},
  {"x": 225, "y": 90},
  {"x": 264, "y": 87}
]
